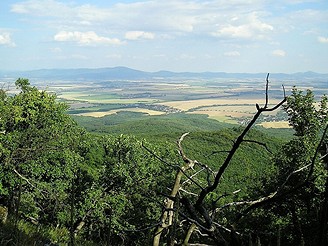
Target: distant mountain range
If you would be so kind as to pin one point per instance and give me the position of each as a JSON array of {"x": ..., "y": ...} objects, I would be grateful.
[{"x": 125, "y": 73}]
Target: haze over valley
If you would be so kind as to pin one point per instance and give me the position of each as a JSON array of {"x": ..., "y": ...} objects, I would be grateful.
[{"x": 225, "y": 97}]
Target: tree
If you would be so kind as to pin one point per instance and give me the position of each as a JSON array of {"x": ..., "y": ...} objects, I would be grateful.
[
  {"x": 39, "y": 154},
  {"x": 304, "y": 157},
  {"x": 227, "y": 223},
  {"x": 57, "y": 176},
  {"x": 78, "y": 187}
]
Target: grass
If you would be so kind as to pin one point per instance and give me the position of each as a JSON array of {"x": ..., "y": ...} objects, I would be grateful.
[
  {"x": 224, "y": 119},
  {"x": 24, "y": 233}
]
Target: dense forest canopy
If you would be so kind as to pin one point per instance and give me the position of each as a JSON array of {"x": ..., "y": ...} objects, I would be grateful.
[{"x": 233, "y": 185}]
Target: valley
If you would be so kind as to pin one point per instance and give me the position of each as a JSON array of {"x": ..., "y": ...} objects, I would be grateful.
[{"x": 228, "y": 98}]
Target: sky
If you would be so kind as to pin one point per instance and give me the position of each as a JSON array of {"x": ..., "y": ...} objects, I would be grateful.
[{"x": 274, "y": 36}]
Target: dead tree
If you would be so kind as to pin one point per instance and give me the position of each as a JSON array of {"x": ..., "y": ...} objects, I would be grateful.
[{"x": 200, "y": 217}]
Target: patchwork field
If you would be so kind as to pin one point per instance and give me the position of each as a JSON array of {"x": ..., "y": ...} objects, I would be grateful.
[
  {"x": 224, "y": 97},
  {"x": 237, "y": 103},
  {"x": 115, "y": 111},
  {"x": 231, "y": 101}
]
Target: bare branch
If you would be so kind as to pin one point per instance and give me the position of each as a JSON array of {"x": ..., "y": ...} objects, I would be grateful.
[
  {"x": 225, "y": 195},
  {"x": 209, "y": 172},
  {"x": 291, "y": 174},
  {"x": 22, "y": 177},
  {"x": 324, "y": 156},
  {"x": 192, "y": 176},
  {"x": 317, "y": 152},
  {"x": 275, "y": 107},
  {"x": 157, "y": 157},
  {"x": 182, "y": 169},
  {"x": 188, "y": 192},
  {"x": 279, "y": 194},
  {"x": 225, "y": 228},
  {"x": 191, "y": 163},
  {"x": 236, "y": 145},
  {"x": 247, "y": 202},
  {"x": 168, "y": 214},
  {"x": 27, "y": 181},
  {"x": 266, "y": 92},
  {"x": 194, "y": 221},
  {"x": 259, "y": 143}
]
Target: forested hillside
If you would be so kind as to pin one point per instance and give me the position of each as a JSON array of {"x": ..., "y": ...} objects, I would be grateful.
[{"x": 164, "y": 180}]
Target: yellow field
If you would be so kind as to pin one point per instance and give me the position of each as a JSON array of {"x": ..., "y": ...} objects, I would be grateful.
[
  {"x": 277, "y": 124},
  {"x": 141, "y": 110},
  {"x": 231, "y": 108},
  {"x": 216, "y": 116},
  {"x": 81, "y": 97},
  {"x": 186, "y": 105},
  {"x": 228, "y": 109}
]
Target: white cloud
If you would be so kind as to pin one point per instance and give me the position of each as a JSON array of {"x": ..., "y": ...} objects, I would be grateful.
[
  {"x": 230, "y": 31},
  {"x": 280, "y": 53},
  {"x": 232, "y": 53},
  {"x": 85, "y": 38},
  {"x": 134, "y": 35},
  {"x": 252, "y": 27},
  {"x": 227, "y": 18},
  {"x": 63, "y": 14},
  {"x": 5, "y": 39},
  {"x": 323, "y": 40}
]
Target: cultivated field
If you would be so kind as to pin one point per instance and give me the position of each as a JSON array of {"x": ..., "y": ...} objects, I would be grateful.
[
  {"x": 115, "y": 111},
  {"x": 230, "y": 102},
  {"x": 278, "y": 124}
]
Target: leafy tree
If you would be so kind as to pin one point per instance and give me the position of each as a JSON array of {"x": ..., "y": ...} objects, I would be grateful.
[
  {"x": 56, "y": 175},
  {"x": 291, "y": 195},
  {"x": 304, "y": 207},
  {"x": 77, "y": 188},
  {"x": 39, "y": 153}
]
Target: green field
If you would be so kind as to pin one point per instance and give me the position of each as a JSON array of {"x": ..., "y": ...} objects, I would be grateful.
[{"x": 224, "y": 100}]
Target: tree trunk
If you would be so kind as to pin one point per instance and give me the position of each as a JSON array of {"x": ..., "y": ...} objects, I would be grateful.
[
  {"x": 167, "y": 216},
  {"x": 188, "y": 235}
]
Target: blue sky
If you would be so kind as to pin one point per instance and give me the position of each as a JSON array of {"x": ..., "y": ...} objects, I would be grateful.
[{"x": 178, "y": 35}]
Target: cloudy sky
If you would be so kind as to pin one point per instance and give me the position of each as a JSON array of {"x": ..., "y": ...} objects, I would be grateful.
[{"x": 178, "y": 35}]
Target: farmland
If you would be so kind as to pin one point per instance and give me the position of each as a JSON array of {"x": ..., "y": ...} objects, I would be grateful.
[
  {"x": 225, "y": 99},
  {"x": 226, "y": 102}
]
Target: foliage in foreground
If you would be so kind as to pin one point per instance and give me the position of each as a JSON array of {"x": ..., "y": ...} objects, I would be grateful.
[
  {"x": 55, "y": 175},
  {"x": 64, "y": 185},
  {"x": 289, "y": 208}
]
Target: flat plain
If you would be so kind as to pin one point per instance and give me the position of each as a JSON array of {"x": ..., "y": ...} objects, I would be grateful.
[
  {"x": 225, "y": 100},
  {"x": 229, "y": 102}
]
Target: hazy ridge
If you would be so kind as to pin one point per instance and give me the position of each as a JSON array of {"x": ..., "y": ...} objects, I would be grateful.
[{"x": 126, "y": 73}]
